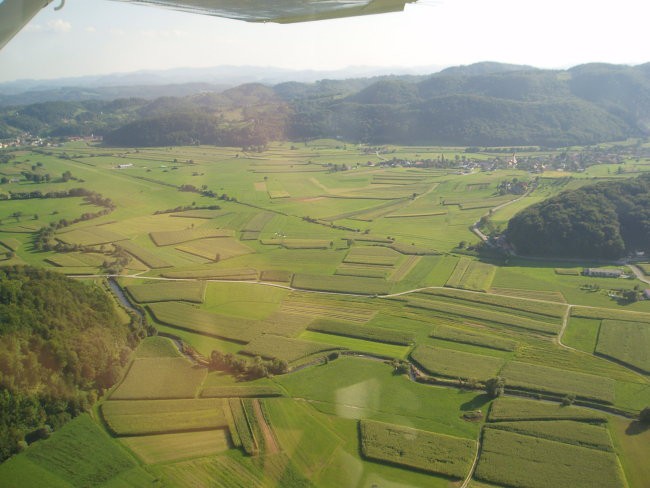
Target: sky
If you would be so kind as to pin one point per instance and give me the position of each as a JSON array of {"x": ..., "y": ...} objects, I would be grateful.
[{"x": 100, "y": 36}]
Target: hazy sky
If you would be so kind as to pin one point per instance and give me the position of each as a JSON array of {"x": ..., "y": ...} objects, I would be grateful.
[{"x": 101, "y": 36}]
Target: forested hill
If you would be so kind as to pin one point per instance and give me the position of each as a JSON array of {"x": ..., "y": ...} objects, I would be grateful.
[
  {"x": 483, "y": 104},
  {"x": 602, "y": 221},
  {"x": 61, "y": 344}
]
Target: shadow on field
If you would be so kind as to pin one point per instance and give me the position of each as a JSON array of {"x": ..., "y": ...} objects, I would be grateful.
[
  {"x": 636, "y": 427},
  {"x": 475, "y": 403}
]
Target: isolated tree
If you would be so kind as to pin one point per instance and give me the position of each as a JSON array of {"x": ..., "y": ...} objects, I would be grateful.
[{"x": 494, "y": 387}]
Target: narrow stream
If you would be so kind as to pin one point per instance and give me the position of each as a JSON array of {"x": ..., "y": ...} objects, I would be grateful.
[{"x": 117, "y": 291}]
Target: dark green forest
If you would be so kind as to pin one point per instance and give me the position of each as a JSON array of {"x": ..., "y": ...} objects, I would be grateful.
[
  {"x": 61, "y": 345},
  {"x": 483, "y": 104},
  {"x": 603, "y": 221}
]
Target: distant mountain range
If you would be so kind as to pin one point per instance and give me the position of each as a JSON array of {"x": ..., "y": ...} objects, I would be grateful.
[
  {"x": 483, "y": 104},
  {"x": 175, "y": 82}
]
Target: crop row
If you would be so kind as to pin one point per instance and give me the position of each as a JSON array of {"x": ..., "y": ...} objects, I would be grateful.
[
  {"x": 142, "y": 417},
  {"x": 252, "y": 391},
  {"x": 147, "y": 257},
  {"x": 512, "y": 409},
  {"x": 189, "y": 291},
  {"x": 509, "y": 303},
  {"x": 271, "y": 346},
  {"x": 171, "y": 237},
  {"x": 628, "y": 342},
  {"x": 487, "y": 315},
  {"x": 558, "y": 381},
  {"x": 510, "y": 459},
  {"x": 465, "y": 336},
  {"x": 341, "y": 284},
  {"x": 456, "y": 364},
  {"x": 566, "y": 431},
  {"x": 243, "y": 427},
  {"x": 417, "y": 449},
  {"x": 240, "y": 274},
  {"x": 376, "y": 334},
  {"x": 200, "y": 321}
]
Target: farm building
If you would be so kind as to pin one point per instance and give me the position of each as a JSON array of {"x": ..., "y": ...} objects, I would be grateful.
[
  {"x": 646, "y": 293},
  {"x": 602, "y": 272}
]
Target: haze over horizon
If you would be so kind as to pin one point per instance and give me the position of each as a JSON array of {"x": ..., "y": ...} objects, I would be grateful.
[{"x": 97, "y": 37}]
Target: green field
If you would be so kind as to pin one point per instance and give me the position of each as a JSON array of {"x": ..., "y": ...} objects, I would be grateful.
[
  {"x": 389, "y": 336},
  {"x": 626, "y": 342},
  {"x": 272, "y": 346},
  {"x": 566, "y": 431},
  {"x": 456, "y": 364},
  {"x": 511, "y": 409},
  {"x": 187, "y": 291},
  {"x": 561, "y": 382},
  {"x": 338, "y": 273},
  {"x": 196, "y": 320},
  {"x": 81, "y": 454},
  {"x": 158, "y": 378},
  {"x": 510, "y": 459},
  {"x": 174, "y": 447},
  {"x": 142, "y": 417},
  {"x": 465, "y": 336},
  {"x": 418, "y": 449}
]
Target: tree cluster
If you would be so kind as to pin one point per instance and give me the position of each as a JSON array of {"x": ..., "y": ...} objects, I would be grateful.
[
  {"x": 601, "y": 221},
  {"x": 254, "y": 369},
  {"x": 61, "y": 345}
]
